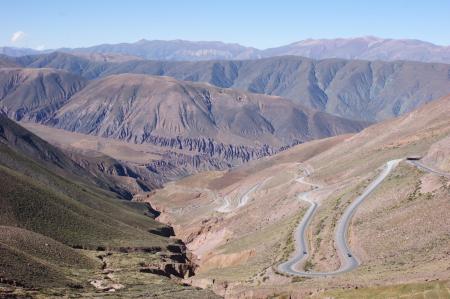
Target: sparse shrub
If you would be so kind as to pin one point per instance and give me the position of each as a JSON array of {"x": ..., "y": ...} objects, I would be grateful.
[
  {"x": 298, "y": 279},
  {"x": 321, "y": 225},
  {"x": 416, "y": 193},
  {"x": 428, "y": 196},
  {"x": 308, "y": 265},
  {"x": 318, "y": 241}
]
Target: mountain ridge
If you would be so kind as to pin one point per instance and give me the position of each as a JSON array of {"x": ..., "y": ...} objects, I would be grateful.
[
  {"x": 356, "y": 89},
  {"x": 365, "y": 47},
  {"x": 198, "y": 116}
]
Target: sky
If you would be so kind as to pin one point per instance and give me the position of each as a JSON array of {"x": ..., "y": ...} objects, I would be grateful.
[{"x": 46, "y": 24}]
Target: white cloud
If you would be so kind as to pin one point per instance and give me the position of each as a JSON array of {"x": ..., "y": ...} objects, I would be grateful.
[
  {"x": 17, "y": 36},
  {"x": 40, "y": 47}
]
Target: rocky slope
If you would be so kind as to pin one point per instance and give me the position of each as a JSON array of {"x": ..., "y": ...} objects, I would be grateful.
[
  {"x": 7, "y": 61},
  {"x": 188, "y": 126},
  {"x": 352, "y": 89}
]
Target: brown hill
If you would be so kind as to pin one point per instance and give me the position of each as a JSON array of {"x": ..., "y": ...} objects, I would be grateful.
[{"x": 193, "y": 117}]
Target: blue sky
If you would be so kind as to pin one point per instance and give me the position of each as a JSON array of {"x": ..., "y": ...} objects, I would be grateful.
[{"x": 262, "y": 24}]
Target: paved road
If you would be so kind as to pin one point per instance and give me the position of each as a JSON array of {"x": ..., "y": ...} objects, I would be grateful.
[
  {"x": 300, "y": 240},
  {"x": 348, "y": 260},
  {"x": 428, "y": 168}
]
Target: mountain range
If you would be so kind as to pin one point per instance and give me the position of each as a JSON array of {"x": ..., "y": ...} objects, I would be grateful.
[
  {"x": 355, "y": 89},
  {"x": 194, "y": 116},
  {"x": 176, "y": 115},
  {"x": 367, "y": 48}
]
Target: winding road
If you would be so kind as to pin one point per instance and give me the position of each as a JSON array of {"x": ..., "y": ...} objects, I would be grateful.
[
  {"x": 243, "y": 200},
  {"x": 348, "y": 261}
]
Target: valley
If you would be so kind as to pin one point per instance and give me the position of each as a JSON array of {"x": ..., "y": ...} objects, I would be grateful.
[
  {"x": 158, "y": 128},
  {"x": 233, "y": 259},
  {"x": 320, "y": 169}
]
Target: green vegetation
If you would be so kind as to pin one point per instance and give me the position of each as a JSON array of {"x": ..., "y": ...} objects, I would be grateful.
[
  {"x": 30, "y": 259},
  {"x": 299, "y": 279},
  {"x": 26, "y": 203},
  {"x": 321, "y": 225},
  {"x": 308, "y": 265}
]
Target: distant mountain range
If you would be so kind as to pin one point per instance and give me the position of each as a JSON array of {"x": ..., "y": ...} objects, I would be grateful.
[
  {"x": 367, "y": 48},
  {"x": 16, "y": 52},
  {"x": 354, "y": 89}
]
